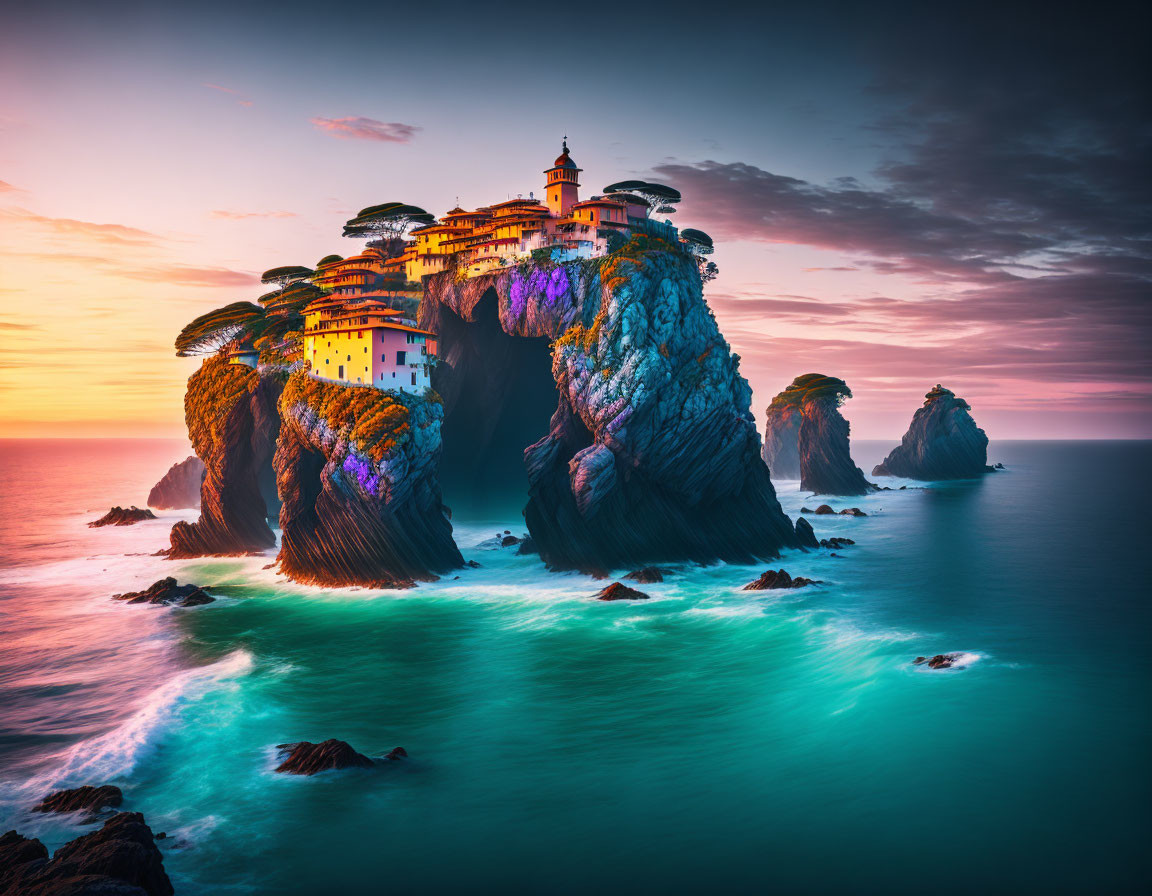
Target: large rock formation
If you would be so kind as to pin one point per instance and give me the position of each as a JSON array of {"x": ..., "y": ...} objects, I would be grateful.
[
  {"x": 232, "y": 421},
  {"x": 119, "y": 859},
  {"x": 652, "y": 453},
  {"x": 180, "y": 486},
  {"x": 943, "y": 442},
  {"x": 782, "y": 438},
  {"x": 821, "y": 435},
  {"x": 357, "y": 470}
]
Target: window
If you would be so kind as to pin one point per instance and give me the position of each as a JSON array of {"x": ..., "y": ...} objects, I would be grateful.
[
  {"x": 365, "y": 349},
  {"x": 400, "y": 358},
  {"x": 384, "y": 357},
  {"x": 413, "y": 378},
  {"x": 349, "y": 357},
  {"x": 340, "y": 374}
]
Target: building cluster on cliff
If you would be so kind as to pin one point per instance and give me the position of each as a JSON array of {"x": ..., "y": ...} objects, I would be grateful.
[{"x": 355, "y": 315}]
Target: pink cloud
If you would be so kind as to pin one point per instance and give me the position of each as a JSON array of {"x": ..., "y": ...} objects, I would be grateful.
[
  {"x": 6, "y": 187},
  {"x": 118, "y": 234},
  {"x": 238, "y": 216},
  {"x": 360, "y": 128},
  {"x": 218, "y": 87},
  {"x": 189, "y": 275}
]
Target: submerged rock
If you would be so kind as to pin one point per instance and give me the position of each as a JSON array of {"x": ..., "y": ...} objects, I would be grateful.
[
  {"x": 119, "y": 859},
  {"x": 647, "y": 575},
  {"x": 943, "y": 442},
  {"x": 357, "y": 469},
  {"x": 773, "y": 579},
  {"x": 821, "y": 434},
  {"x": 395, "y": 754},
  {"x": 652, "y": 453},
  {"x": 123, "y": 516},
  {"x": 232, "y": 422},
  {"x": 306, "y": 758},
  {"x": 87, "y": 799},
  {"x": 167, "y": 591},
  {"x": 835, "y": 543},
  {"x": 616, "y": 591},
  {"x": 180, "y": 486},
  {"x": 940, "y": 661}
]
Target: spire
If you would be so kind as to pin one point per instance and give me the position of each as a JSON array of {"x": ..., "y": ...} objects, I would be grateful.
[{"x": 565, "y": 144}]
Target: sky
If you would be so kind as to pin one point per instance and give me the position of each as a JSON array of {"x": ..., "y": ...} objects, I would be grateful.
[{"x": 901, "y": 194}]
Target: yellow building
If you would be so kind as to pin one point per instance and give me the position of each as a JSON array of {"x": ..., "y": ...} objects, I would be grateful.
[{"x": 366, "y": 342}]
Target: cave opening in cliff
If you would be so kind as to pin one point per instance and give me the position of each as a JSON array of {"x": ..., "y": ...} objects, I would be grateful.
[{"x": 499, "y": 397}]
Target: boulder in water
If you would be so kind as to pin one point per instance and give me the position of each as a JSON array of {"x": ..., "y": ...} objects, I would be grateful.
[
  {"x": 180, "y": 486},
  {"x": 774, "y": 579},
  {"x": 119, "y": 859},
  {"x": 306, "y": 758},
  {"x": 835, "y": 543},
  {"x": 647, "y": 575},
  {"x": 123, "y": 516},
  {"x": 943, "y": 442},
  {"x": 87, "y": 799},
  {"x": 167, "y": 591},
  {"x": 940, "y": 661},
  {"x": 616, "y": 591}
]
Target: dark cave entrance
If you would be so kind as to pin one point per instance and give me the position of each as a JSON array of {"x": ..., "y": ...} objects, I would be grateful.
[{"x": 499, "y": 397}]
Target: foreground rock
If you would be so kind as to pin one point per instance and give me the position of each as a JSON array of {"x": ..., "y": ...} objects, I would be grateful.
[
  {"x": 168, "y": 592},
  {"x": 357, "y": 469},
  {"x": 647, "y": 575},
  {"x": 120, "y": 859},
  {"x": 87, "y": 799},
  {"x": 180, "y": 486},
  {"x": 123, "y": 516},
  {"x": 773, "y": 579},
  {"x": 826, "y": 466},
  {"x": 617, "y": 591},
  {"x": 943, "y": 442},
  {"x": 306, "y": 758},
  {"x": 940, "y": 661},
  {"x": 651, "y": 454},
  {"x": 230, "y": 410}
]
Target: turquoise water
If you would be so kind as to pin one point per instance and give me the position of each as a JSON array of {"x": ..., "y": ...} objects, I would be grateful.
[{"x": 707, "y": 739}]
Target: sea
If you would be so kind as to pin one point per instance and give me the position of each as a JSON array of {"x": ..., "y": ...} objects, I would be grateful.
[{"x": 708, "y": 740}]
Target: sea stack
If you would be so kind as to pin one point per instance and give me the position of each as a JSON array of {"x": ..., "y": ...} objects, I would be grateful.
[
  {"x": 809, "y": 412},
  {"x": 943, "y": 442},
  {"x": 180, "y": 486},
  {"x": 651, "y": 455}
]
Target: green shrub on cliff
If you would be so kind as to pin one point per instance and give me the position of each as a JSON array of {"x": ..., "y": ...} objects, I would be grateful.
[
  {"x": 811, "y": 386},
  {"x": 375, "y": 421}
]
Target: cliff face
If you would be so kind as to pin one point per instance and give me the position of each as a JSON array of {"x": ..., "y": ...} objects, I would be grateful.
[
  {"x": 357, "y": 470},
  {"x": 782, "y": 442},
  {"x": 943, "y": 442},
  {"x": 810, "y": 409},
  {"x": 233, "y": 424},
  {"x": 652, "y": 453},
  {"x": 180, "y": 486}
]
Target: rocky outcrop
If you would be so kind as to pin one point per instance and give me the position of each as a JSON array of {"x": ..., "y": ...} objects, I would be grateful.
[
  {"x": 836, "y": 544},
  {"x": 826, "y": 509},
  {"x": 233, "y": 423},
  {"x": 772, "y": 579},
  {"x": 805, "y": 535},
  {"x": 122, "y": 516},
  {"x": 943, "y": 442},
  {"x": 168, "y": 592},
  {"x": 87, "y": 799},
  {"x": 826, "y": 466},
  {"x": 357, "y": 469},
  {"x": 782, "y": 439},
  {"x": 306, "y": 758},
  {"x": 617, "y": 591},
  {"x": 652, "y": 454},
  {"x": 180, "y": 486},
  {"x": 119, "y": 859}
]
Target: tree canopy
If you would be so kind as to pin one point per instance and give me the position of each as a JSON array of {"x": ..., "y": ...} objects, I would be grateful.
[
  {"x": 329, "y": 259},
  {"x": 389, "y": 221},
  {"x": 659, "y": 198},
  {"x": 284, "y": 275},
  {"x": 209, "y": 332},
  {"x": 697, "y": 241}
]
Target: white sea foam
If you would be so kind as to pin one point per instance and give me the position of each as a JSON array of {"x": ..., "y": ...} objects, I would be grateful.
[{"x": 115, "y": 754}]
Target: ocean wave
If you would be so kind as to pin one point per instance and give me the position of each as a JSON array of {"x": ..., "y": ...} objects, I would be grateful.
[{"x": 115, "y": 754}]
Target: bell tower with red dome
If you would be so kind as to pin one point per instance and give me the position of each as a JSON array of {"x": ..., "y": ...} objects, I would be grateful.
[{"x": 563, "y": 185}]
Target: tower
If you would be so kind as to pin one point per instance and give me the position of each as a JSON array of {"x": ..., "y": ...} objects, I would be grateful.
[{"x": 562, "y": 186}]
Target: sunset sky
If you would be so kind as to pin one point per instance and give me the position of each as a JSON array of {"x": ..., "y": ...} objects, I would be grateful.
[{"x": 900, "y": 196}]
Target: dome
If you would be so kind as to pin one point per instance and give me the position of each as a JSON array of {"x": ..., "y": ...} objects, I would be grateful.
[{"x": 564, "y": 160}]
